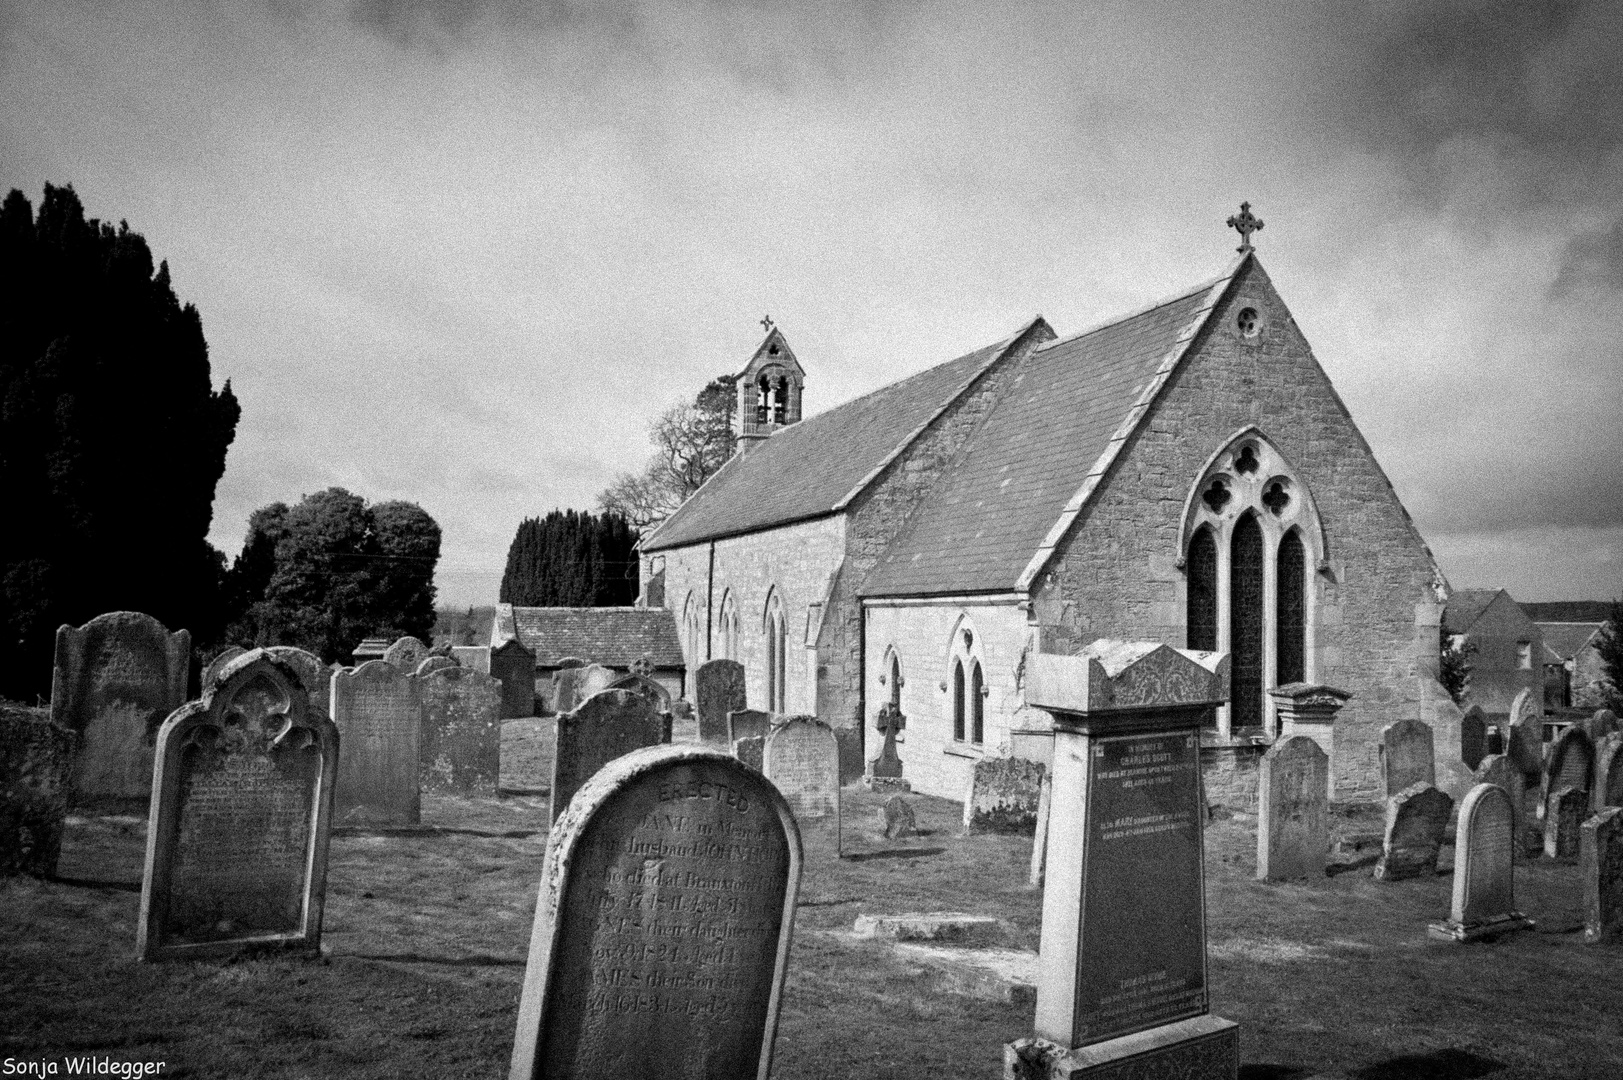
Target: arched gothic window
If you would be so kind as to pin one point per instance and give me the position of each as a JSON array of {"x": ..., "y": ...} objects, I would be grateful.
[
  {"x": 957, "y": 700},
  {"x": 1201, "y": 626},
  {"x": 1245, "y": 622},
  {"x": 977, "y": 715},
  {"x": 1290, "y": 620},
  {"x": 967, "y": 673},
  {"x": 777, "y": 666},
  {"x": 729, "y": 627}
]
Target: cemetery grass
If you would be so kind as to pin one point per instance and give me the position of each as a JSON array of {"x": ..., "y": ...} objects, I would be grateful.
[{"x": 427, "y": 933}]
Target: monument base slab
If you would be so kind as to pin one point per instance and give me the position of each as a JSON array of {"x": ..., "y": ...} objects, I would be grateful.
[
  {"x": 1200, "y": 1048},
  {"x": 887, "y": 783},
  {"x": 1485, "y": 930}
]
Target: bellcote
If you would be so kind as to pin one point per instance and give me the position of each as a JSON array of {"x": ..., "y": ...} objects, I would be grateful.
[{"x": 768, "y": 389}]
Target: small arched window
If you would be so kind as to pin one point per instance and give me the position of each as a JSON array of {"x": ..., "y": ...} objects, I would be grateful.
[
  {"x": 1290, "y": 598},
  {"x": 957, "y": 701},
  {"x": 777, "y": 667},
  {"x": 729, "y": 627},
  {"x": 1201, "y": 626},
  {"x": 1245, "y": 622},
  {"x": 977, "y": 721}
]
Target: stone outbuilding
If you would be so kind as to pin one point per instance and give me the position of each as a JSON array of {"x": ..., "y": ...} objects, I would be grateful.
[
  {"x": 1509, "y": 655},
  {"x": 616, "y": 637}
]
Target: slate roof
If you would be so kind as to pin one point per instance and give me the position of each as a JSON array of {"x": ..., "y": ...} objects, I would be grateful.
[
  {"x": 1014, "y": 490},
  {"x": 1569, "y": 611},
  {"x": 1564, "y": 639},
  {"x": 815, "y": 467},
  {"x": 612, "y": 636},
  {"x": 1465, "y": 607}
]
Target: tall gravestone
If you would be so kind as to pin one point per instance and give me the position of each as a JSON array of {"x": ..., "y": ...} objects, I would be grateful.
[
  {"x": 242, "y": 801},
  {"x": 887, "y": 767},
  {"x": 313, "y": 674},
  {"x": 1564, "y": 814},
  {"x": 514, "y": 665},
  {"x": 1571, "y": 764},
  {"x": 606, "y": 726},
  {"x": 1003, "y": 796},
  {"x": 406, "y": 653},
  {"x": 1525, "y": 746},
  {"x": 1499, "y": 770},
  {"x": 36, "y": 762},
  {"x": 663, "y": 924},
  {"x": 802, "y": 759},
  {"x": 1416, "y": 818},
  {"x": 1407, "y": 756},
  {"x": 1121, "y": 980},
  {"x": 216, "y": 665},
  {"x": 1293, "y": 810},
  {"x": 718, "y": 688},
  {"x": 380, "y": 719},
  {"x": 115, "y": 679},
  {"x": 1608, "y": 773},
  {"x": 1602, "y": 860},
  {"x": 461, "y": 747},
  {"x": 748, "y": 724},
  {"x": 1484, "y": 869},
  {"x": 1473, "y": 737}
]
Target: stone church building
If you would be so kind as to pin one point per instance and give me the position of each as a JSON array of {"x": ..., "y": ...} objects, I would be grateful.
[{"x": 1185, "y": 473}]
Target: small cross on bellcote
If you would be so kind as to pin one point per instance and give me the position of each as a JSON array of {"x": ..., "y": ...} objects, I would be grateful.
[
  {"x": 766, "y": 323},
  {"x": 1246, "y": 223}
]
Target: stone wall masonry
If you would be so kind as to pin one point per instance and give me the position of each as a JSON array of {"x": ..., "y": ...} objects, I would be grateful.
[{"x": 1116, "y": 574}]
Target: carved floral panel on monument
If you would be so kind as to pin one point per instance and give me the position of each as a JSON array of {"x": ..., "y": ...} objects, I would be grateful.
[
  {"x": 663, "y": 924},
  {"x": 240, "y": 820}
]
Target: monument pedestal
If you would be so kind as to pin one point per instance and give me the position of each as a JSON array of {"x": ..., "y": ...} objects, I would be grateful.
[
  {"x": 1485, "y": 930},
  {"x": 1199, "y": 1047}
]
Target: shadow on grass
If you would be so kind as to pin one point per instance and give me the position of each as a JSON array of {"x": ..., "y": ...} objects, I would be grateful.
[
  {"x": 448, "y": 961},
  {"x": 1267, "y": 1070},
  {"x": 92, "y": 883},
  {"x": 899, "y": 853},
  {"x": 430, "y": 830},
  {"x": 1448, "y": 1064}
]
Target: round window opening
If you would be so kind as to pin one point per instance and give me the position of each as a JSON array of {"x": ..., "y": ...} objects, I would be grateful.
[{"x": 1248, "y": 322}]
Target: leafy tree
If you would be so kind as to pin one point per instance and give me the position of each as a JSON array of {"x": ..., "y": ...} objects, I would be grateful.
[
  {"x": 572, "y": 559},
  {"x": 1454, "y": 665},
  {"x": 112, "y": 437},
  {"x": 1609, "y": 644},
  {"x": 691, "y": 442}
]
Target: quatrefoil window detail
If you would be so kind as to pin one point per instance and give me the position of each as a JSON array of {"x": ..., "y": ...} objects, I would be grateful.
[
  {"x": 1276, "y": 498},
  {"x": 1247, "y": 322},
  {"x": 1217, "y": 496},
  {"x": 1247, "y": 461}
]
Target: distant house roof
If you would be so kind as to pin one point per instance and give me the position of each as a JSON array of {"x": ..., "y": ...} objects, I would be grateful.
[
  {"x": 814, "y": 468},
  {"x": 612, "y": 636},
  {"x": 1565, "y": 639},
  {"x": 1569, "y": 611},
  {"x": 1465, "y": 607}
]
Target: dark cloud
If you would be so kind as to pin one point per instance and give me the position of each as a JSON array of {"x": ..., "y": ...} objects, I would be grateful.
[
  {"x": 1592, "y": 260},
  {"x": 416, "y": 22}
]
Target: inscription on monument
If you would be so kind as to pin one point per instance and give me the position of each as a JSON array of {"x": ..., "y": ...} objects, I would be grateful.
[{"x": 379, "y": 716}]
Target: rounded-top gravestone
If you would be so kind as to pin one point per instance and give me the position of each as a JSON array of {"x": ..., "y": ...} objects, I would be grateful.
[
  {"x": 316, "y": 676},
  {"x": 663, "y": 924},
  {"x": 1407, "y": 755},
  {"x": 1525, "y": 746},
  {"x": 406, "y": 653},
  {"x": 432, "y": 664},
  {"x": 215, "y": 666}
]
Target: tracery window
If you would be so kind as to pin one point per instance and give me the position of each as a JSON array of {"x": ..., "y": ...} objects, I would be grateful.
[{"x": 777, "y": 667}]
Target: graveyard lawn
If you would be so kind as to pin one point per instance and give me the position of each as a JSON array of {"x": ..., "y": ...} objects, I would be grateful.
[{"x": 427, "y": 930}]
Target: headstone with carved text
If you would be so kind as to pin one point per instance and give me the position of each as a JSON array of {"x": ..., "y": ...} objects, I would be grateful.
[
  {"x": 802, "y": 759},
  {"x": 1571, "y": 764},
  {"x": 1407, "y": 756},
  {"x": 380, "y": 719},
  {"x": 1484, "y": 863},
  {"x": 1499, "y": 770},
  {"x": 1293, "y": 812},
  {"x": 461, "y": 749},
  {"x": 606, "y": 726}
]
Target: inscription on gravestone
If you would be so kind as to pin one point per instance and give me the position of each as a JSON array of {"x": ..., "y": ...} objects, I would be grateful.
[
  {"x": 802, "y": 759},
  {"x": 461, "y": 745},
  {"x": 379, "y": 717},
  {"x": 1499, "y": 770},
  {"x": 1484, "y": 862},
  {"x": 1571, "y": 763},
  {"x": 1293, "y": 829},
  {"x": 662, "y": 928}
]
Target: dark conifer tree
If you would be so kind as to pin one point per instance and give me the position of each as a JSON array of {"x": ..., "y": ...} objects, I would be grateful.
[{"x": 571, "y": 558}]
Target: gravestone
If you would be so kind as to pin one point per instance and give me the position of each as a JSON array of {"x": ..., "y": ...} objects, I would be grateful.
[
  {"x": 1003, "y": 796},
  {"x": 566, "y": 694},
  {"x": 1121, "y": 976},
  {"x": 115, "y": 679},
  {"x": 315, "y": 676},
  {"x": 748, "y": 724},
  {"x": 605, "y": 727},
  {"x": 718, "y": 690},
  {"x": 1564, "y": 814},
  {"x": 1608, "y": 773},
  {"x": 1039, "y": 836},
  {"x": 1601, "y": 724},
  {"x": 1415, "y": 820},
  {"x": 221, "y": 659},
  {"x": 802, "y": 759},
  {"x": 380, "y": 719},
  {"x": 751, "y": 751},
  {"x": 1473, "y": 737},
  {"x": 888, "y": 765},
  {"x": 594, "y": 679},
  {"x": 1602, "y": 860},
  {"x": 1526, "y": 727},
  {"x": 1407, "y": 756},
  {"x": 1293, "y": 824},
  {"x": 432, "y": 664},
  {"x": 36, "y": 764},
  {"x": 647, "y": 687},
  {"x": 461, "y": 748},
  {"x": 1484, "y": 869},
  {"x": 242, "y": 801},
  {"x": 663, "y": 923},
  {"x": 1571, "y": 764},
  {"x": 1499, "y": 770},
  {"x": 897, "y": 820},
  {"x": 406, "y": 653}
]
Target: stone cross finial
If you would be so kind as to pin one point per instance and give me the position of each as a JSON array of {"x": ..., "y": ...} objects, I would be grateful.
[
  {"x": 766, "y": 323},
  {"x": 1246, "y": 223}
]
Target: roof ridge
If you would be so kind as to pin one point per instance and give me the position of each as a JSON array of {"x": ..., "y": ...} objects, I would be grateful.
[{"x": 1145, "y": 309}]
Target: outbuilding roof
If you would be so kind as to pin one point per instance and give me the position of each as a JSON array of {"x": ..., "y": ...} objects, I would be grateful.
[
  {"x": 1566, "y": 639},
  {"x": 612, "y": 636},
  {"x": 1465, "y": 607}
]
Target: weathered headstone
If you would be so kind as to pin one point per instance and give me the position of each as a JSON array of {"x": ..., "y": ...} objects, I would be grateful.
[
  {"x": 1499, "y": 770},
  {"x": 751, "y": 751},
  {"x": 380, "y": 719},
  {"x": 647, "y": 687},
  {"x": 36, "y": 763},
  {"x": 461, "y": 747},
  {"x": 242, "y": 801},
  {"x": 1003, "y": 796},
  {"x": 594, "y": 679},
  {"x": 1484, "y": 864},
  {"x": 1599, "y": 725},
  {"x": 662, "y": 929},
  {"x": 1473, "y": 737},
  {"x": 1602, "y": 861},
  {"x": 606, "y": 726},
  {"x": 315, "y": 676},
  {"x": 896, "y": 819},
  {"x": 1407, "y": 756},
  {"x": 1415, "y": 820},
  {"x": 802, "y": 758},
  {"x": 115, "y": 679},
  {"x": 1121, "y": 979},
  {"x": 1608, "y": 773},
  {"x": 406, "y": 653},
  {"x": 1564, "y": 814},
  {"x": 1293, "y": 823},
  {"x": 748, "y": 724},
  {"x": 566, "y": 694},
  {"x": 221, "y": 659},
  {"x": 1571, "y": 764},
  {"x": 718, "y": 690},
  {"x": 1526, "y": 727}
]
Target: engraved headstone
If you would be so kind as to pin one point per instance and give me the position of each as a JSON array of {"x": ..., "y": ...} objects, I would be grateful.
[
  {"x": 36, "y": 762},
  {"x": 663, "y": 923},
  {"x": 747, "y": 724},
  {"x": 1526, "y": 726},
  {"x": 1003, "y": 796},
  {"x": 1473, "y": 737},
  {"x": 380, "y": 720},
  {"x": 406, "y": 653},
  {"x": 1602, "y": 862},
  {"x": 242, "y": 801},
  {"x": 1564, "y": 814},
  {"x": 1415, "y": 820},
  {"x": 1484, "y": 863},
  {"x": 802, "y": 758},
  {"x": 461, "y": 747},
  {"x": 315, "y": 676},
  {"x": 221, "y": 659},
  {"x": 1293, "y": 829},
  {"x": 1608, "y": 773},
  {"x": 718, "y": 690},
  {"x": 751, "y": 751},
  {"x": 605, "y": 727},
  {"x": 1407, "y": 756},
  {"x": 1499, "y": 770},
  {"x": 434, "y": 663},
  {"x": 115, "y": 679},
  {"x": 1571, "y": 764}
]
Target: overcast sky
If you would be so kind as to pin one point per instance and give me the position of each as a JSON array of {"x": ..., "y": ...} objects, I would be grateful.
[{"x": 462, "y": 253}]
